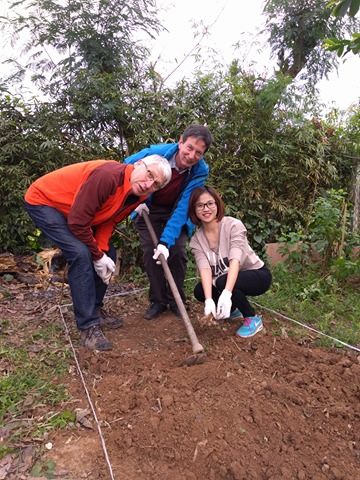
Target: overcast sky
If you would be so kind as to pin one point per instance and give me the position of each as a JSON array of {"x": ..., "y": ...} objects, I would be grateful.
[{"x": 229, "y": 22}]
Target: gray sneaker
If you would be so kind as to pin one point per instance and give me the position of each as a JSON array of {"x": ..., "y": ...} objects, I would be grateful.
[
  {"x": 94, "y": 339},
  {"x": 109, "y": 321}
]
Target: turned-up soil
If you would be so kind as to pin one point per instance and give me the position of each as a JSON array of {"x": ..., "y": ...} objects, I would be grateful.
[{"x": 270, "y": 407}]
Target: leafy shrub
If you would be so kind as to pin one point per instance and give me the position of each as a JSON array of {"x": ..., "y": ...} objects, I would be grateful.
[
  {"x": 268, "y": 165},
  {"x": 32, "y": 143},
  {"x": 328, "y": 237}
]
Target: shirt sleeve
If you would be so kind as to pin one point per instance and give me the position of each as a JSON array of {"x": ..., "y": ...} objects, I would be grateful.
[
  {"x": 240, "y": 248},
  {"x": 94, "y": 192},
  {"x": 202, "y": 262},
  {"x": 179, "y": 216},
  {"x": 238, "y": 242}
]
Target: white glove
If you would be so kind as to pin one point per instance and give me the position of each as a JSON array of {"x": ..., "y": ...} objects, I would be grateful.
[
  {"x": 104, "y": 267},
  {"x": 107, "y": 277},
  {"x": 160, "y": 249},
  {"x": 224, "y": 305},
  {"x": 142, "y": 208},
  {"x": 210, "y": 307}
]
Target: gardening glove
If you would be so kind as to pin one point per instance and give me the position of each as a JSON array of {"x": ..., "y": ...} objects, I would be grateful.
[
  {"x": 210, "y": 307},
  {"x": 224, "y": 305},
  {"x": 104, "y": 267},
  {"x": 142, "y": 208},
  {"x": 107, "y": 277},
  {"x": 160, "y": 249}
]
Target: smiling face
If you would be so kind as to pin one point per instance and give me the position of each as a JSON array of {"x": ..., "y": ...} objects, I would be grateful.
[
  {"x": 206, "y": 209},
  {"x": 146, "y": 179},
  {"x": 190, "y": 152}
]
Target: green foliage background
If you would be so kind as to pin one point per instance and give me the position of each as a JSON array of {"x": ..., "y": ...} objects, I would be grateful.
[{"x": 272, "y": 155}]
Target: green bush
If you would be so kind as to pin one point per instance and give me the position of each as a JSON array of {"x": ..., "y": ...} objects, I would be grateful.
[
  {"x": 32, "y": 143},
  {"x": 327, "y": 237},
  {"x": 268, "y": 166}
]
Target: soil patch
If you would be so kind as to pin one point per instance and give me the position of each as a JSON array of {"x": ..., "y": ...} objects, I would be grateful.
[{"x": 270, "y": 407}]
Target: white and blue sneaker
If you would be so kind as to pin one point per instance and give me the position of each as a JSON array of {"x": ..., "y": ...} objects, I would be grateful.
[{"x": 250, "y": 327}]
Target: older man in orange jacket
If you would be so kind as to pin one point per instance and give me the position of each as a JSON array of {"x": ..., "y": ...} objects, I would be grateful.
[{"x": 78, "y": 207}]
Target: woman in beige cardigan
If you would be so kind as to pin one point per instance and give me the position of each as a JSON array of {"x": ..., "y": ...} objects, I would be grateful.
[{"x": 229, "y": 268}]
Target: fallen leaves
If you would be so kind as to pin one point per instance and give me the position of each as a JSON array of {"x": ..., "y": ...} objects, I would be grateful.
[
  {"x": 82, "y": 418},
  {"x": 207, "y": 321}
]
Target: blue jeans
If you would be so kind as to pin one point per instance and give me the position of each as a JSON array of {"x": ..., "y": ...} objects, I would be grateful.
[{"x": 87, "y": 289}]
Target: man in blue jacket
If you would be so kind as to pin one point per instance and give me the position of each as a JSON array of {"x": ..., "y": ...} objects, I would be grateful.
[{"x": 168, "y": 213}]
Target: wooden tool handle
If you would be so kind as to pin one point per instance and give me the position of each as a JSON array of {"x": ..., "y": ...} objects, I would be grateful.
[{"x": 196, "y": 346}]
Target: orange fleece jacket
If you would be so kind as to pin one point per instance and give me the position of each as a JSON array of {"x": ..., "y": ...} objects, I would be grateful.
[{"x": 94, "y": 196}]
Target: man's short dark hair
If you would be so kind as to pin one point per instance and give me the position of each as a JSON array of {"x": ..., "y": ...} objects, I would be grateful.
[{"x": 198, "y": 131}]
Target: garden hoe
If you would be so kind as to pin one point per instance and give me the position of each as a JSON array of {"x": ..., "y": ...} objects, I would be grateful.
[{"x": 198, "y": 350}]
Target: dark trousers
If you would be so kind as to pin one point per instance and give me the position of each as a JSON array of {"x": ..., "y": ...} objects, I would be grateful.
[
  {"x": 159, "y": 291},
  {"x": 87, "y": 289},
  {"x": 248, "y": 282}
]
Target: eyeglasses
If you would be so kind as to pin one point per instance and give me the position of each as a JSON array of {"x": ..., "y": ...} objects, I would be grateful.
[
  {"x": 210, "y": 204},
  {"x": 150, "y": 176}
]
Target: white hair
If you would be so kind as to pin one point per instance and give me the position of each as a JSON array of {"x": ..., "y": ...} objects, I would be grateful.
[{"x": 163, "y": 165}]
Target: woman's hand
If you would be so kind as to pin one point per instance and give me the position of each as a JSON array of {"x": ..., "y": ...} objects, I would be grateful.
[
  {"x": 210, "y": 307},
  {"x": 208, "y": 320},
  {"x": 224, "y": 305}
]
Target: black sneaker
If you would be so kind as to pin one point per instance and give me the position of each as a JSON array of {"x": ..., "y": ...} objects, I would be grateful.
[
  {"x": 109, "y": 321},
  {"x": 154, "y": 311},
  {"x": 94, "y": 339},
  {"x": 174, "y": 308}
]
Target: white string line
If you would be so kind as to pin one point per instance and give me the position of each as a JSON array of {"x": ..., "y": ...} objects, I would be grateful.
[
  {"x": 299, "y": 323},
  {"x": 132, "y": 292},
  {"x": 307, "y": 326},
  {"x": 103, "y": 445},
  {"x": 122, "y": 294},
  {"x": 352, "y": 347}
]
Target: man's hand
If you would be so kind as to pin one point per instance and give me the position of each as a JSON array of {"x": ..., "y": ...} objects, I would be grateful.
[
  {"x": 224, "y": 305},
  {"x": 160, "y": 249},
  {"x": 210, "y": 308},
  {"x": 104, "y": 267},
  {"x": 142, "y": 208}
]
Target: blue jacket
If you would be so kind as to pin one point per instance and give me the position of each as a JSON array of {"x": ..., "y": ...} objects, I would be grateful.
[{"x": 196, "y": 178}]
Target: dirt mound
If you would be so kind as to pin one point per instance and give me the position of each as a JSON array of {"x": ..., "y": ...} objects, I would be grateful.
[
  {"x": 265, "y": 408},
  {"x": 270, "y": 407}
]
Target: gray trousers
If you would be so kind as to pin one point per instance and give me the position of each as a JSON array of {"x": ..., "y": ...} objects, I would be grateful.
[{"x": 159, "y": 291}]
